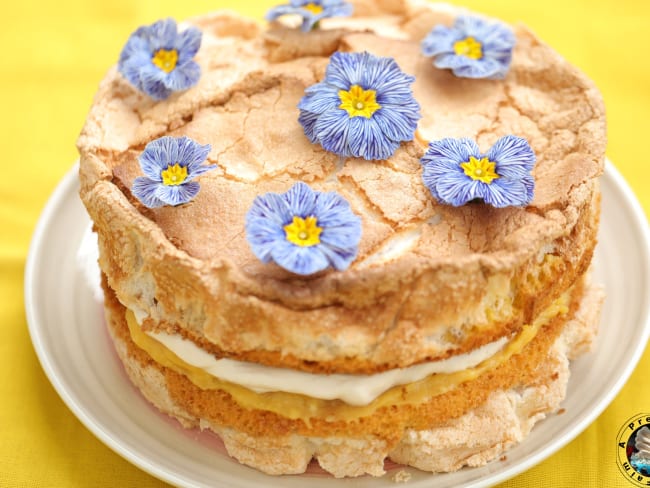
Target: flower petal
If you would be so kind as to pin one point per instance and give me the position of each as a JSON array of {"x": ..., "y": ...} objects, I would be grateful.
[
  {"x": 342, "y": 237},
  {"x": 308, "y": 121},
  {"x": 183, "y": 77},
  {"x": 470, "y": 25},
  {"x": 199, "y": 170},
  {"x": 309, "y": 20},
  {"x": 190, "y": 153},
  {"x": 465, "y": 67},
  {"x": 430, "y": 178},
  {"x": 326, "y": 98},
  {"x": 153, "y": 83},
  {"x": 157, "y": 156},
  {"x": 380, "y": 71},
  {"x": 513, "y": 156},
  {"x": 331, "y": 130},
  {"x": 440, "y": 40},
  {"x": 177, "y": 194},
  {"x": 395, "y": 124},
  {"x": 272, "y": 207},
  {"x": 301, "y": 200},
  {"x": 451, "y": 151},
  {"x": 337, "y": 8},
  {"x": 165, "y": 149},
  {"x": 188, "y": 44},
  {"x": 162, "y": 34},
  {"x": 346, "y": 69},
  {"x": 299, "y": 260},
  {"x": 132, "y": 68},
  {"x": 144, "y": 190},
  {"x": 369, "y": 141},
  {"x": 506, "y": 193},
  {"x": 264, "y": 227},
  {"x": 339, "y": 258},
  {"x": 398, "y": 94},
  {"x": 341, "y": 227},
  {"x": 457, "y": 189}
]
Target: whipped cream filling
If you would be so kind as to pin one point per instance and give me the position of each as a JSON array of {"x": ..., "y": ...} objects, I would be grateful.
[{"x": 353, "y": 389}]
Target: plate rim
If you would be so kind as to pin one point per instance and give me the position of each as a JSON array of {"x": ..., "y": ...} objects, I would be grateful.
[{"x": 70, "y": 181}]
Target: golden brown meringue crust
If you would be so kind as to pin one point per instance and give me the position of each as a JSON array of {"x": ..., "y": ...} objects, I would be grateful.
[{"x": 189, "y": 268}]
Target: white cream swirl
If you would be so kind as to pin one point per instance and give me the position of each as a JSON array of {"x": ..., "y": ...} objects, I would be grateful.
[{"x": 352, "y": 389}]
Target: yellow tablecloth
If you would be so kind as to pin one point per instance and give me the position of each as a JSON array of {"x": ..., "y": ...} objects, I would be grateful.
[{"x": 52, "y": 58}]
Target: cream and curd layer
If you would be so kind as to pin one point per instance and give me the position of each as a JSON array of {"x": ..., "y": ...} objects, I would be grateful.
[
  {"x": 353, "y": 389},
  {"x": 249, "y": 380}
]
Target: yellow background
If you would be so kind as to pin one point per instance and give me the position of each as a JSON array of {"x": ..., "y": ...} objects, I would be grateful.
[{"x": 52, "y": 57}]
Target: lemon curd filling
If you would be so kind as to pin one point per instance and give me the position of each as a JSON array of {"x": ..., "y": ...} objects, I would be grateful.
[
  {"x": 469, "y": 47},
  {"x": 480, "y": 169},
  {"x": 358, "y": 102},
  {"x": 299, "y": 406},
  {"x": 165, "y": 59}
]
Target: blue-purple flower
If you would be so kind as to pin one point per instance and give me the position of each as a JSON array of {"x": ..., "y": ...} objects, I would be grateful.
[
  {"x": 363, "y": 108},
  {"x": 158, "y": 60},
  {"x": 171, "y": 166},
  {"x": 311, "y": 12},
  {"x": 303, "y": 230},
  {"x": 456, "y": 172},
  {"x": 472, "y": 48}
]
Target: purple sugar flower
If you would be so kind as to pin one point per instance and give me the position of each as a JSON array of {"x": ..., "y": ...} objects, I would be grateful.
[
  {"x": 171, "y": 166},
  {"x": 456, "y": 172},
  {"x": 158, "y": 60},
  {"x": 472, "y": 48},
  {"x": 303, "y": 230},
  {"x": 311, "y": 12}
]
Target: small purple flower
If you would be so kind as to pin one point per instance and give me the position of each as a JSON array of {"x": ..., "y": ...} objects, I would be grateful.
[
  {"x": 170, "y": 165},
  {"x": 311, "y": 12},
  {"x": 456, "y": 172},
  {"x": 472, "y": 48},
  {"x": 303, "y": 230},
  {"x": 158, "y": 60},
  {"x": 363, "y": 108}
]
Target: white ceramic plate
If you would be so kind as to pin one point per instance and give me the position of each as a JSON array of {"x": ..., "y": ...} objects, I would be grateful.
[{"x": 68, "y": 333}]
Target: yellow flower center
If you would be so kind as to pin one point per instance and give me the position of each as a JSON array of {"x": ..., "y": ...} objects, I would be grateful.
[
  {"x": 469, "y": 47},
  {"x": 174, "y": 175},
  {"x": 303, "y": 232},
  {"x": 480, "y": 169},
  {"x": 165, "y": 59},
  {"x": 359, "y": 102},
  {"x": 314, "y": 8}
]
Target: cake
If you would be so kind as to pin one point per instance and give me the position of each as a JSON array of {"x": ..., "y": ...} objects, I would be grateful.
[{"x": 441, "y": 338}]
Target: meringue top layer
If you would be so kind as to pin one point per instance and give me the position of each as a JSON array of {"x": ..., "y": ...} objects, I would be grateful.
[
  {"x": 245, "y": 106},
  {"x": 430, "y": 281}
]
